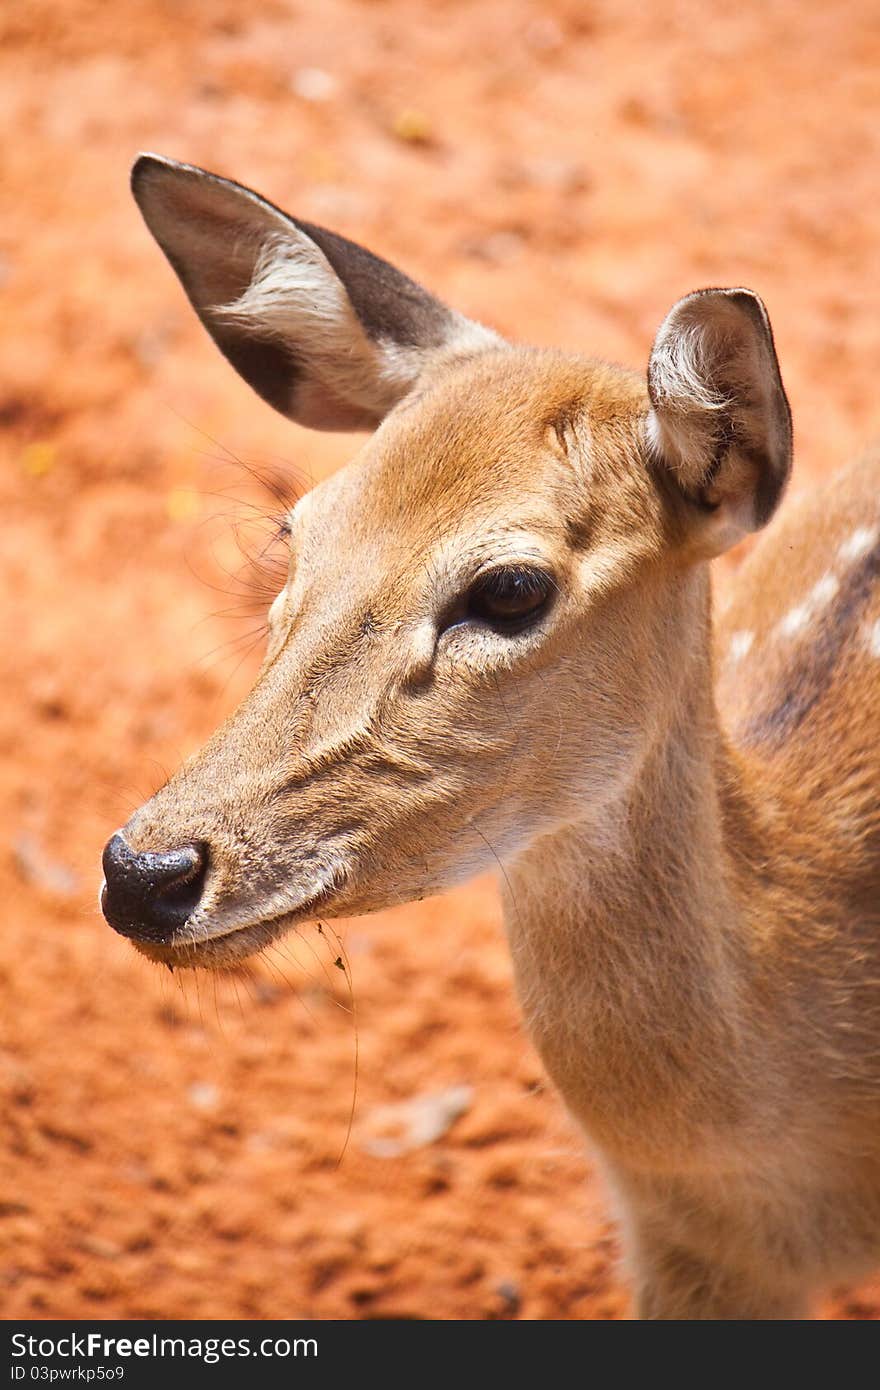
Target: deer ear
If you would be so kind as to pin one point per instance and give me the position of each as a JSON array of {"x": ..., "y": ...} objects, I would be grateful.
[
  {"x": 323, "y": 330},
  {"x": 720, "y": 420}
]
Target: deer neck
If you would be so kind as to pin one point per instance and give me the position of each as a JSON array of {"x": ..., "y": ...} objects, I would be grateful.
[{"x": 629, "y": 931}]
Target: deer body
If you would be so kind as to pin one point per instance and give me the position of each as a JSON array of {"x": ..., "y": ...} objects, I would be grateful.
[{"x": 517, "y": 672}]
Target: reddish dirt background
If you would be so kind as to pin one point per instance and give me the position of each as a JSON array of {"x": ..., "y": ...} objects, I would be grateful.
[{"x": 563, "y": 171}]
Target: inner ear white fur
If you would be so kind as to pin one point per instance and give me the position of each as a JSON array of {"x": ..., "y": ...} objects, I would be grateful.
[
  {"x": 323, "y": 330},
  {"x": 719, "y": 418},
  {"x": 296, "y": 297}
]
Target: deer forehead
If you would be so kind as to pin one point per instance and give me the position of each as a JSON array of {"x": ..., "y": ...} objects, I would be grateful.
[{"x": 499, "y": 458}]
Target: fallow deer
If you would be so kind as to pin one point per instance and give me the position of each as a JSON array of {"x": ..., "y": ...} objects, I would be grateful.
[{"x": 495, "y": 648}]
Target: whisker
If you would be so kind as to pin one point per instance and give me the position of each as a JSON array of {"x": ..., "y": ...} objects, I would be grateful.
[
  {"x": 329, "y": 978},
  {"x": 343, "y": 955},
  {"x": 290, "y": 987}
]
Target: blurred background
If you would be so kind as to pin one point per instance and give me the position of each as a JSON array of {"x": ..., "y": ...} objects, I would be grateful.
[{"x": 562, "y": 170}]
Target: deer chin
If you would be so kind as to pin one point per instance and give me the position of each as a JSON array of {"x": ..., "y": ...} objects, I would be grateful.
[{"x": 227, "y": 946}]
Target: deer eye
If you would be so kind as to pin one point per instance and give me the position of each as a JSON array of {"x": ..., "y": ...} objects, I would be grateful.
[{"x": 508, "y": 599}]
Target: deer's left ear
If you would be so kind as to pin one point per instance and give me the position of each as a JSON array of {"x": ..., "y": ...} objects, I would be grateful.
[{"x": 720, "y": 419}]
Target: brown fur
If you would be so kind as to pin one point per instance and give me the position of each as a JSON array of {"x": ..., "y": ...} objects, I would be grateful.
[{"x": 690, "y": 889}]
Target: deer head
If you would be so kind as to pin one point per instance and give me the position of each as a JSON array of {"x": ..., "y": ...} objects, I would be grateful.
[{"x": 485, "y": 618}]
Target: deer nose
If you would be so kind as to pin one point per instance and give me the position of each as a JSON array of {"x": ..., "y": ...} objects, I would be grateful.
[{"x": 150, "y": 896}]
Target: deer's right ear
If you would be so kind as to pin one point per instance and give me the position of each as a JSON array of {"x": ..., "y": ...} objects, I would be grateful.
[{"x": 323, "y": 330}]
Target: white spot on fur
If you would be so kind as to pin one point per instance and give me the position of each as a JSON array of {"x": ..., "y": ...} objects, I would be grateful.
[
  {"x": 795, "y": 620},
  {"x": 823, "y": 592},
  {"x": 873, "y": 638},
  {"x": 863, "y": 539},
  {"x": 798, "y": 619},
  {"x": 740, "y": 645}
]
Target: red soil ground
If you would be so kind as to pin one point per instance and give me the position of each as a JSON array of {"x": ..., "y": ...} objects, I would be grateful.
[{"x": 564, "y": 171}]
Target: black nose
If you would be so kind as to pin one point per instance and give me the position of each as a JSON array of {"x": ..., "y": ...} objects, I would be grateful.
[{"x": 150, "y": 896}]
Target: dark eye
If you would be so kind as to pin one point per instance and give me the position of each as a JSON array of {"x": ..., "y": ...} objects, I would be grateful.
[{"x": 509, "y": 599}]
